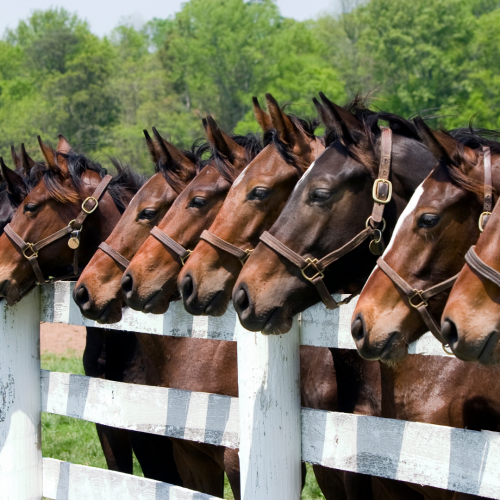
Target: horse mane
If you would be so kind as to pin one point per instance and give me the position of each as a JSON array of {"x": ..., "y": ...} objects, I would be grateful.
[
  {"x": 251, "y": 143},
  {"x": 196, "y": 154},
  {"x": 474, "y": 138},
  {"x": 78, "y": 164}
]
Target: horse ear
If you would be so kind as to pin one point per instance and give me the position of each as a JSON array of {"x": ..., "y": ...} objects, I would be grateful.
[
  {"x": 15, "y": 184},
  {"x": 341, "y": 120},
  {"x": 223, "y": 143},
  {"x": 284, "y": 126},
  {"x": 26, "y": 161},
  {"x": 63, "y": 145},
  {"x": 15, "y": 158},
  {"x": 51, "y": 160},
  {"x": 263, "y": 119},
  {"x": 155, "y": 157},
  {"x": 174, "y": 159},
  {"x": 442, "y": 146}
]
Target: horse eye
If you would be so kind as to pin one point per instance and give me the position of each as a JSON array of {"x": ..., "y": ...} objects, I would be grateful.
[
  {"x": 148, "y": 213},
  {"x": 259, "y": 193},
  {"x": 30, "y": 207},
  {"x": 320, "y": 194},
  {"x": 198, "y": 201},
  {"x": 428, "y": 220}
]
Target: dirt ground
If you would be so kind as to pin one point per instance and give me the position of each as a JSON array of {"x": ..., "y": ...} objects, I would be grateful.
[{"x": 58, "y": 338}]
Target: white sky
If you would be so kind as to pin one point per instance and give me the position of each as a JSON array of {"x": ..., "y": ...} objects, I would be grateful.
[{"x": 104, "y": 15}]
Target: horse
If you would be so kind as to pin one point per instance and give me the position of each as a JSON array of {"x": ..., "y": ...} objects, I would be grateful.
[
  {"x": 329, "y": 214},
  {"x": 427, "y": 249},
  {"x": 201, "y": 465},
  {"x": 470, "y": 318},
  {"x": 55, "y": 192},
  {"x": 98, "y": 292}
]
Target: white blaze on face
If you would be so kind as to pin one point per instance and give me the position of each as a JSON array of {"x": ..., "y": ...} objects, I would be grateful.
[
  {"x": 239, "y": 178},
  {"x": 407, "y": 212},
  {"x": 307, "y": 172}
]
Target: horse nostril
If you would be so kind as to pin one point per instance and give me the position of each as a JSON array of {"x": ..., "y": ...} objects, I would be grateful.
[
  {"x": 187, "y": 287},
  {"x": 241, "y": 300},
  {"x": 82, "y": 296},
  {"x": 127, "y": 285},
  {"x": 449, "y": 332},
  {"x": 358, "y": 329}
]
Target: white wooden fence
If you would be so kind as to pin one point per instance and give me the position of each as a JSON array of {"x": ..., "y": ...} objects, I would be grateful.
[{"x": 266, "y": 423}]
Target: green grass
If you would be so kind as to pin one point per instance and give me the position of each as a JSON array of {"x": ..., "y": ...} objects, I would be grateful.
[{"x": 76, "y": 441}]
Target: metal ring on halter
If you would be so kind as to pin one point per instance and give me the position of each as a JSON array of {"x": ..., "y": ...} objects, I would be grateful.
[
  {"x": 481, "y": 220},
  {"x": 383, "y": 223},
  {"x": 377, "y": 239},
  {"x": 183, "y": 259},
  {"x": 93, "y": 209},
  {"x": 418, "y": 293},
  {"x": 30, "y": 247},
  {"x": 311, "y": 262},
  {"x": 70, "y": 223},
  {"x": 248, "y": 251},
  {"x": 447, "y": 352}
]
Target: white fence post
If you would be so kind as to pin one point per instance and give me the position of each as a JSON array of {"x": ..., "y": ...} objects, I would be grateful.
[
  {"x": 20, "y": 401},
  {"x": 269, "y": 398}
]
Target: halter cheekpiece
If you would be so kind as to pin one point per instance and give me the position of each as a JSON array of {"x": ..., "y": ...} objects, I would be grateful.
[
  {"x": 74, "y": 228},
  {"x": 312, "y": 269}
]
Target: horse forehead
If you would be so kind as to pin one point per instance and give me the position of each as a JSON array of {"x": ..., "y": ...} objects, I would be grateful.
[
  {"x": 406, "y": 215},
  {"x": 155, "y": 186}
]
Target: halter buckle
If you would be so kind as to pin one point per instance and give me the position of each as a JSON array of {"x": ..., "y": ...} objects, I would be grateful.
[
  {"x": 248, "y": 251},
  {"x": 29, "y": 246},
  {"x": 311, "y": 262},
  {"x": 91, "y": 210},
  {"x": 419, "y": 294},
  {"x": 183, "y": 259},
  {"x": 375, "y": 193},
  {"x": 482, "y": 222}
]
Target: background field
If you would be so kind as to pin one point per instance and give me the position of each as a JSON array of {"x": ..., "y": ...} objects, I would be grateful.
[{"x": 76, "y": 441}]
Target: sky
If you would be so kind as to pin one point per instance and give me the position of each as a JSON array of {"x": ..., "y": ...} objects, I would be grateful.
[{"x": 104, "y": 15}]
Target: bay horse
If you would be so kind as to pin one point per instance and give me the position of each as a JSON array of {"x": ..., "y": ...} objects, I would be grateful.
[
  {"x": 173, "y": 362},
  {"x": 326, "y": 213},
  {"x": 55, "y": 192},
  {"x": 255, "y": 200},
  {"x": 427, "y": 249},
  {"x": 471, "y": 317},
  {"x": 98, "y": 292}
]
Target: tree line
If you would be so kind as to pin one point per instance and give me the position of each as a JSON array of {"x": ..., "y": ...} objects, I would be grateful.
[{"x": 440, "y": 58}]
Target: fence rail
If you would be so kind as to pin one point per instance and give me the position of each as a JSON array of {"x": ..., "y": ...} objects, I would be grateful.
[{"x": 266, "y": 423}]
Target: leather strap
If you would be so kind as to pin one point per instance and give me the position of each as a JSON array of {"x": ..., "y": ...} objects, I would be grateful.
[
  {"x": 418, "y": 299},
  {"x": 116, "y": 256},
  {"x": 312, "y": 269},
  {"x": 30, "y": 250},
  {"x": 478, "y": 265},
  {"x": 179, "y": 250},
  {"x": 214, "y": 240}
]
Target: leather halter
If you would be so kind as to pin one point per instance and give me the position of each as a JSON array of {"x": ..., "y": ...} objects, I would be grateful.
[
  {"x": 478, "y": 265},
  {"x": 30, "y": 250},
  {"x": 116, "y": 256},
  {"x": 166, "y": 240},
  {"x": 214, "y": 240},
  {"x": 312, "y": 269},
  {"x": 424, "y": 295}
]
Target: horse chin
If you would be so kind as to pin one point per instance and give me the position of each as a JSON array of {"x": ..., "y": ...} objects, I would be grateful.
[
  {"x": 278, "y": 322},
  {"x": 158, "y": 303},
  {"x": 490, "y": 352},
  {"x": 12, "y": 293},
  {"x": 112, "y": 313},
  {"x": 389, "y": 349}
]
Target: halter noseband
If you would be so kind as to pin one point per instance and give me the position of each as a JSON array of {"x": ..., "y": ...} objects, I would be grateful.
[
  {"x": 312, "y": 269},
  {"x": 74, "y": 227},
  {"x": 166, "y": 240},
  {"x": 424, "y": 295}
]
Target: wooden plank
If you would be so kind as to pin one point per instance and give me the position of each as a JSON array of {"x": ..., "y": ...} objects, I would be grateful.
[
  {"x": 318, "y": 326},
  {"x": 433, "y": 455},
  {"x": 67, "y": 481},
  {"x": 269, "y": 396},
  {"x": 20, "y": 425},
  {"x": 196, "y": 416}
]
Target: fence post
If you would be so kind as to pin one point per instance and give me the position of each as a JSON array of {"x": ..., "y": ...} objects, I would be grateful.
[
  {"x": 20, "y": 400},
  {"x": 269, "y": 401}
]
